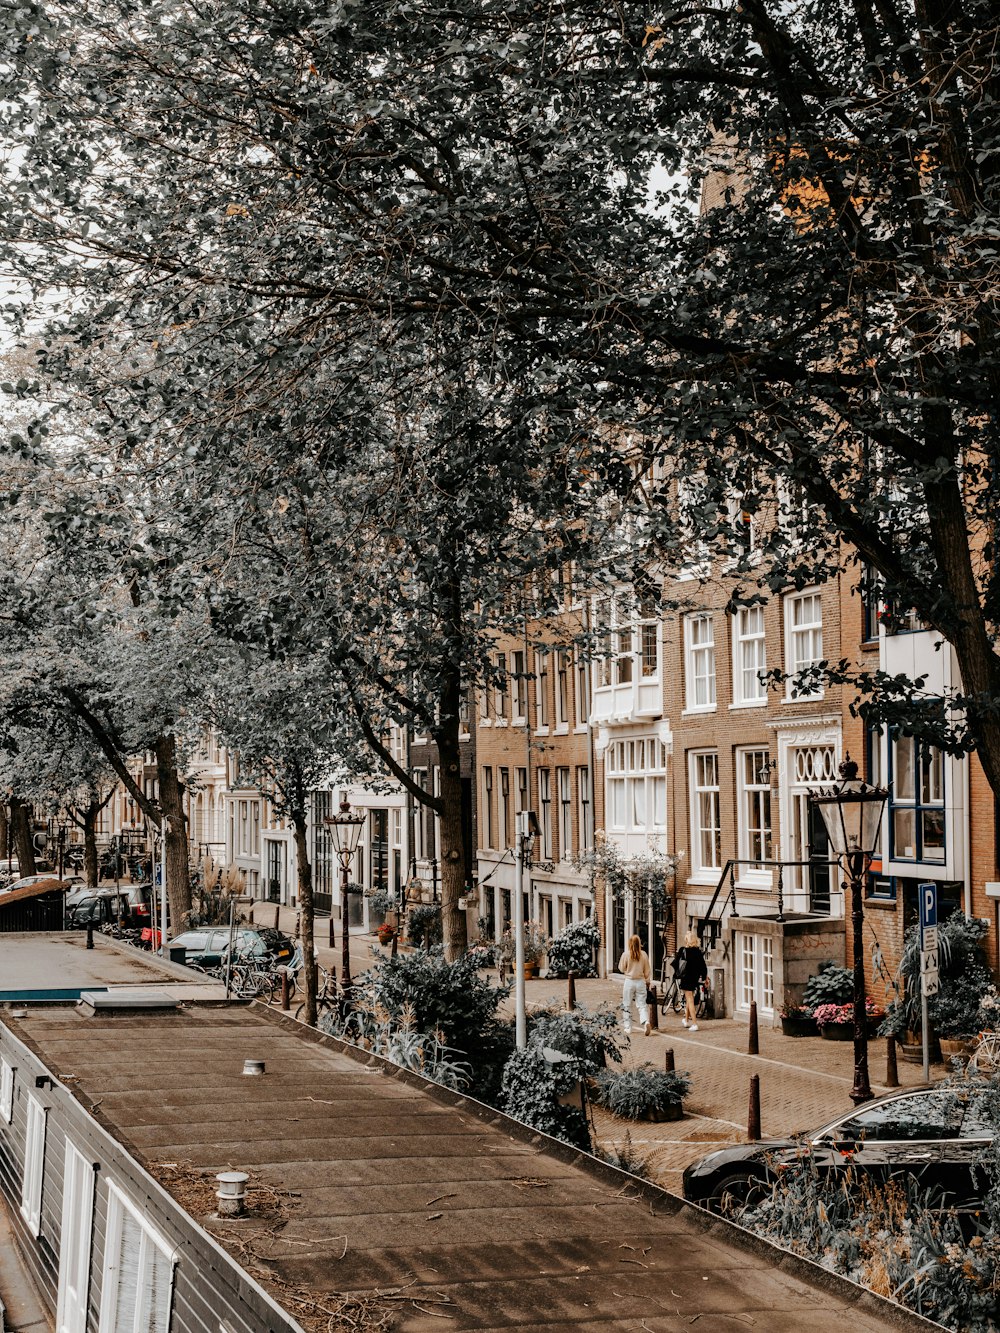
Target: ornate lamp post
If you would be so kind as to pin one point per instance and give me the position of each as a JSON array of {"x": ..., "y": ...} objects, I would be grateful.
[
  {"x": 345, "y": 832},
  {"x": 852, "y": 813}
]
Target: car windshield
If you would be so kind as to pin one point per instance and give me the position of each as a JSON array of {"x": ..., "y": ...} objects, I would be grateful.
[
  {"x": 918, "y": 1117},
  {"x": 191, "y": 941}
]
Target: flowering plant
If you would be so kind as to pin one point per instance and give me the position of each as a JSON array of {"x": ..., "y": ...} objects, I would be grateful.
[
  {"x": 833, "y": 1014},
  {"x": 800, "y": 1010}
]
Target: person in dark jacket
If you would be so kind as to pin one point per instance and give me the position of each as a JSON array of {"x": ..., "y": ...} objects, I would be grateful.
[{"x": 690, "y": 969}]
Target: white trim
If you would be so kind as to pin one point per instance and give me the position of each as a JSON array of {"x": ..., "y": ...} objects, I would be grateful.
[
  {"x": 34, "y": 1164},
  {"x": 792, "y": 665},
  {"x": 75, "y": 1238},
  {"x": 7, "y": 1072},
  {"x": 118, "y": 1205}
]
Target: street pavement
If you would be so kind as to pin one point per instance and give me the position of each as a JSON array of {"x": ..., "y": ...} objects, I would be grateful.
[{"x": 804, "y": 1081}]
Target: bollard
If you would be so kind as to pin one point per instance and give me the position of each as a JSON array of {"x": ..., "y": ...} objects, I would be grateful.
[
  {"x": 286, "y": 994},
  {"x": 891, "y": 1072},
  {"x": 277, "y": 916},
  {"x": 652, "y": 999},
  {"x": 571, "y": 991},
  {"x": 753, "y": 1045},
  {"x": 90, "y": 934},
  {"x": 753, "y": 1117},
  {"x": 395, "y": 945},
  {"x": 668, "y": 1060},
  {"x": 332, "y": 941}
]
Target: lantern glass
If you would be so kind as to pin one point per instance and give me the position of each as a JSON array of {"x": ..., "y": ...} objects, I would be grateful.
[
  {"x": 345, "y": 831},
  {"x": 852, "y": 813}
]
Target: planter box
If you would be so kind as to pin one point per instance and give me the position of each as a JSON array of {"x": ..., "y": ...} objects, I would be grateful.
[
  {"x": 837, "y": 1031},
  {"x": 658, "y": 1117},
  {"x": 956, "y": 1046},
  {"x": 799, "y": 1027}
]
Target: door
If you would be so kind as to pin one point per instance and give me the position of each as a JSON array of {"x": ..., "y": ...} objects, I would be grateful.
[
  {"x": 819, "y": 858},
  {"x": 75, "y": 1237}
]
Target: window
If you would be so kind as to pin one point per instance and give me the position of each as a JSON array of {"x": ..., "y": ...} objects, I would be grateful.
[
  {"x": 743, "y": 506},
  {"x": 541, "y": 692},
  {"x": 489, "y": 809},
  {"x": 803, "y": 642},
  {"x": 484, "y": 707},
  {"x": 872, "y": 592},
  {"x": 916, "y": 800},
  {"x": 874, "y": 771},
  {"x": 505, "y": 826},
  {"x": 584, "y": 810},
  {"x": 545, "y": 801},
  {"x": 635, "y": 773},
  {"x": 623, "y": 648},
  {"x": 34, "y": 1162},
  {"x": 754, "y": 807},
  {"x": 706, "y": 827},
  {"x": 648, "y": 633},
  {"x": 582, "y": 691},
  {"x": 755, "y": 972},
  {"x": 922, "y": 1118},
  {"x": 138, "y": 1269},
  {"x": 518, "y": 702},
  {"x": 522, "y": 790},
  {"x": 749, "y": 656},
  {"x": 692, "y": 498},
  {"x": 421, "y": 844},
  {"x": 6, "y": 1092},
  {"x": 565, "y": 794},
  {"x": 500, "y": 689},
  {"x": 699, "y": 662},
  {"x": 74, "y": 1250},
  {"x": 562, "y": 689}
]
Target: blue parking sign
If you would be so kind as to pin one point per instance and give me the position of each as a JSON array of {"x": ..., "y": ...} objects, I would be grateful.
[{"x": 928, "y": 905}]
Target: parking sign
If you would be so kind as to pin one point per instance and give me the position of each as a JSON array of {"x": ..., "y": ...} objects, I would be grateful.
[{"x": 928, "y": 905}]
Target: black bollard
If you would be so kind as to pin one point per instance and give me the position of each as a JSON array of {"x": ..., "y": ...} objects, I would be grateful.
[
  {"x": 571, "y": 991},
  {"x": 652, "y": 999},
  {"x": 395, "y": 944},
  {"x": 753, "y": 1045},
  {"x": 286, "y": 992},
  {"x": 90, "y": 934},
  {"x": 668, "y": 1060},
  {"x": 753, "y": 1117},
  {"x": 331, "y": 936},
  {"x": 891, "y": 1072}
]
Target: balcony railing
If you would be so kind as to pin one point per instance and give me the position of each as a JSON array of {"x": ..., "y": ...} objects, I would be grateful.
[{"x": 725, "y": 894}]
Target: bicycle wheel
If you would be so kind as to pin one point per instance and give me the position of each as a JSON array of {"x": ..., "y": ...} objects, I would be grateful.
[
  {"x": 704, "y": 1004},
  {"x": 677, "y": 999}
]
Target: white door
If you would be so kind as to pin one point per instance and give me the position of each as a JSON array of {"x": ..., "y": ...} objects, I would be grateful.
[{"x": 74, "y": 1252}]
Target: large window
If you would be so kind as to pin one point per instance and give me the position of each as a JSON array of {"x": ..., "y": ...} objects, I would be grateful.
[
  {"x": 706, "y": 827},
  {"x": 636, "y": 774},
  {"x": 506, "y": 839},
  {"x": 755, "y": 972},
  {"x": 584, "y": 810},
  {"x": 545, "y": 802},
  {"x": 518, "y": 699},
  {"x": 803, "y": 641},
  {"x": 582, "y": 691},
  {"x": 489, "y": 809},
  {"x": 541, "y": 692},
  {"x": 753, "y": 808},
  {"x": 916, "y": 810},
  {"x": 500, "y": 689},
  {"x": 34, "y": 1162},
  {"x": 565, "y": 792},
  {"x": 699, "y": 662},
  {"x": 74, "y": 1248},
  {"x": 749, "y": 656},
  {"x": 562, "y": 689},
  {"x": 138, "y": 1269}
]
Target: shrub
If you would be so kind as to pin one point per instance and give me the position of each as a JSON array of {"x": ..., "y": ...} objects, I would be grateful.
[
  {"x": 589, "y": 1035},
  {"x": 634, "y": 1093},
  {"x": 535, "y": 944},
  {"x": 572, "y": 950},
  {"x": 423, "y": 925},
  {"x": 626, "y": 1157},
  {"x": 382, "y": 901},
  {"x": 964, "y": 980},
  {"x": 421, "y": 1052},
  {"x": 830, "y": 985},
  {"x": 531, "y": 1089}
]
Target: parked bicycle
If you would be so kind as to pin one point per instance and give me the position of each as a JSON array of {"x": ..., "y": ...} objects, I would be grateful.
[
  {"x": 673, "y": 996},
  {"x": 328, "y": 998}
]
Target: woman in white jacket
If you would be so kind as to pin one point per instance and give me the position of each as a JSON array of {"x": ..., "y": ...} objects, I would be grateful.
[{"x": 634, "y": 962}]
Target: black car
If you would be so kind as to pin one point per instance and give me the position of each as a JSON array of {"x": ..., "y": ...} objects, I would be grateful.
[
  {"x": 131, "y": 906},
  {"x": 934, "y": 1136}
]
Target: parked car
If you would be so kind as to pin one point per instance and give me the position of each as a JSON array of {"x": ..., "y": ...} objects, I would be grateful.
[
  {"x": 931, "y": 1135},
  {"x": 209, "y": 945},
  {"x": 98, "y": 909},
  {"x": 27, "y": 880},
  {"x": 136, "y": 902}
]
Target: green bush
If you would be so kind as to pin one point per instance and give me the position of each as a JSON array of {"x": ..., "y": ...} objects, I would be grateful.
[
  {"x": 423, "y": 925},
  {"x": 964, "y": 981},
  {"x": 830, "y": 985},
  {"x": 626, "y": 1158},
  {"x": 589, "y": 1035},
  {"x": 530, "y": 1092},
  {"x": 572, "y": 950},
  {"x": 634, "y": 1093}
]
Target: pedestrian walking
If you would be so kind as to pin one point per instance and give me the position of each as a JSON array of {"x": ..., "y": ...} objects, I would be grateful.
[
  {"x": 634, "y": 962},
  {"x": 691, "y": 970}
]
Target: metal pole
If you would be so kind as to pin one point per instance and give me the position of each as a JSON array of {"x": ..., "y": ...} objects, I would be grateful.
[
  {"x": 862, "y": 1090},
  {"x": 345, "y": 934},
  {"x": 925, "y": 1032},
  {"x": 521, "y": 1024},
  {"x": 163, "y": 887}
]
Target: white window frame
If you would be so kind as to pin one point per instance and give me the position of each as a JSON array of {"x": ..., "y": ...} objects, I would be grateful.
[
  {"x": 34, "y": 1164},
  {"x": 542, "y": 674},
  {"x": 489, "y": 809},
  {"x": 7, "y": 1072},
  {"x": 118, "y": 1205},
  {"x": 503, "y": 808},
  {"x": 753, "y": 797},
  {"x": 755, "y": 973},
  {"x": 582, "y": 692},
  {"x": 545, "y": 811},
  {"x": 699, "y": 664},
  {"x": 749, "y": 657},
  {"x": 794, "y": 662},
  {"x": 635, "y": 774},
  {"x": 585, "y": 809},
  {"x": 500, "y": 691},
  {"x": 561, "y": 680},
  {"x": 518, "y": 689},
  {"x": 564, "y": 793},
  {"x": 702, "y": 870},
  {"x": 74, "y": 1242}
]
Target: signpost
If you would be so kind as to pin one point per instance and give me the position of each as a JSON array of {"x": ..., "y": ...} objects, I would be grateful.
[{"x": 928, "y": 963}]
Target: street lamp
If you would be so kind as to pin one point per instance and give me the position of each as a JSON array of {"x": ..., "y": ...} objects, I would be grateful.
[
  {"x": 345, "y": 832},
  {"x": 527, "y": 828},
  {"x": 852, "y": 812}
]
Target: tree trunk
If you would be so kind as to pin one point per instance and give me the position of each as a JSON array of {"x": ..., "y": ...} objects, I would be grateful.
[
  {"x": 175, "y": 851},
  {"x": 90, "y": 843},
  {"x": 452, "y": 833},
  {"x": 4, "y": 833},
  {"x": 20, "y": 818},
  {"x": 306, "y": 911}
]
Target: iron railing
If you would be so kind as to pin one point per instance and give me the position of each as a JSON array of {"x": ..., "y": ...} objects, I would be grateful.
[{"x": 712, "y": 923}]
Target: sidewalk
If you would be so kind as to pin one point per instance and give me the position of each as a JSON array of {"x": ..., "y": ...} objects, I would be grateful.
[{"x": 804, "y": 1081}]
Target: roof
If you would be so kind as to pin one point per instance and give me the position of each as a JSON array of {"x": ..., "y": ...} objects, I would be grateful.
[
  {"x": 34, "y": 891},
  {"x": 370, "y": 1181},
  {"x": 48, "y": 965}
]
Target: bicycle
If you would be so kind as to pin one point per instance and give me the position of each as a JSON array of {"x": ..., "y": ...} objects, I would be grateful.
[
  {"x": 327, "y": 997},
  {"x": 673, "y": 998},
  {"x": 985, "y": 1059}
]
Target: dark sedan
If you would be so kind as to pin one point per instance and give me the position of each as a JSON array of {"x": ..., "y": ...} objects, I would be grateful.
[{"x": 931, "y": 1135}]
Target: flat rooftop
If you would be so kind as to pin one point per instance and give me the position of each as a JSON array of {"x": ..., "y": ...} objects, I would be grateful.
[
  {"x": 34, "y": 963},
  {"x": 369, "y": 1182}
]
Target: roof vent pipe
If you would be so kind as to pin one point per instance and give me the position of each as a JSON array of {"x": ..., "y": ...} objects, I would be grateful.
[
  {"x": 231, "y": 1192},
  {"x": 253, "y": 1067}
]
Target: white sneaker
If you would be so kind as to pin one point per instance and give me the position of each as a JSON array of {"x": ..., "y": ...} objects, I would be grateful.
[
  {"x": 693, "y": 1027},
  {"x": 684, "y": 1023}
]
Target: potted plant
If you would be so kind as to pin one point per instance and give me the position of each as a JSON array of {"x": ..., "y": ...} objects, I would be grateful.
[
  {"x": 535, "y": 944},
  {"x": 642, "y": 1093},
  {"x": 836, "y": 1021},
  {"x": 798, "y": 1020},
  {"x": 386, "y": 934}
]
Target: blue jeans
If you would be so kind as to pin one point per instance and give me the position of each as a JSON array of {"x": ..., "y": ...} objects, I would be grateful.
[{"x": 634, "y": 990}]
